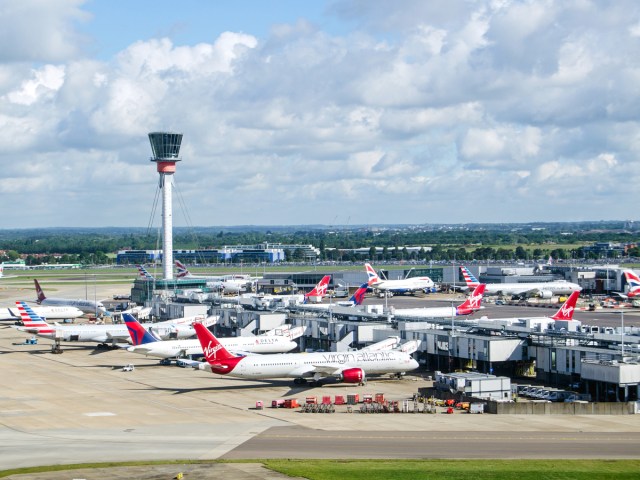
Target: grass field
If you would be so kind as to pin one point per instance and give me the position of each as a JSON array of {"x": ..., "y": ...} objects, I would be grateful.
[
  {"x": 414, "y": 469},
  {"x": 457, "y": 469}
]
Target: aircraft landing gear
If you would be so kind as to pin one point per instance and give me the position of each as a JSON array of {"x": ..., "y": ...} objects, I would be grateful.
[{"x": 55, "y": 347}]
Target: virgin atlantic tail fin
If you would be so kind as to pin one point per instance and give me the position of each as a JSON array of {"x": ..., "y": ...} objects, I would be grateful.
[
  {"x": 472, "y": 303},
  {"x": 567, "y": 308},
  {"x": 213, "y": 350},
  {"x": 319, "y": 291},
  {"x": 39, "y": 291}
]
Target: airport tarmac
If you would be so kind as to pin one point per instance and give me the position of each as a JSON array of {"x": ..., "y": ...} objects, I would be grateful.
[{"x": 81, "y": 407}]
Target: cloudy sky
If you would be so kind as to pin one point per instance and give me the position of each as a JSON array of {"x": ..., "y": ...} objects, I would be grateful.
[{"x": 331, "y": 112}]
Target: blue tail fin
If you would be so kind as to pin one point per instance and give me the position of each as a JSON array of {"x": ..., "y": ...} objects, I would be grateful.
[{"x": 139, "y": 335}]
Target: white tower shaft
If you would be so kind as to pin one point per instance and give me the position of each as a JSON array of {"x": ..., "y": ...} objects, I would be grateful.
[{"x": 167, "y": 227}]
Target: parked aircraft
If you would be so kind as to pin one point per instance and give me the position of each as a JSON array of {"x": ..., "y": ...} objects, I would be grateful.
[
  {"x": 565, "y": 312},
  {"x": 348, "y": 367},
  {"x": 146, "y": 344},
  {"x": 529, "y": 289},
  {"x": 104, "y": 334},
  {"x": 227, "y": 283},
  {"x": 634, "y": 283},
  {"x": 356, "y": 299},
  {"x": 319, "y": 291},
  {"x": 87, "y": 306},
  {"x": 470, "y": 305},
  {"x": 55, "y": 313},
  {"x": 143, "y": 273},
  {"x": 406, "y": 285}
]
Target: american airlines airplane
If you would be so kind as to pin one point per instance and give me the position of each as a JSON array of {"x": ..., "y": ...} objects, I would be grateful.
[
  {"x": 540, "y": 289},
  {"x": 470, "y": 305},
  {"x": 104, "y": 334},
  {"x": 146, "y": 344},
  {"x": 87, "y": 306},
  {"x": 348, "y": 367},
  {"x": 226, "y": 283},
  {"x": 406, "y": 285}
]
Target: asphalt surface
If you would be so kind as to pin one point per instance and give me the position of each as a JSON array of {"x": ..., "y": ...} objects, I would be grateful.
[{"x": 81, "y": 407}]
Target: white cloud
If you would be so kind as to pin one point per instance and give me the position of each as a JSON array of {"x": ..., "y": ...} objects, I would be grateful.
[{"x": 420, "y": 111}]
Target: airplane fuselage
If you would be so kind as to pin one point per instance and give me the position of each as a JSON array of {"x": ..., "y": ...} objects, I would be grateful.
[
  {"x": 87, "y": 306},
  {"x": 174, "y": 348},
  {"x": 300, "y": 365}
]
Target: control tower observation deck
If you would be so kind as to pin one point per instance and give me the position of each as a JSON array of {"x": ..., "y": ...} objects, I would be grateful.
[{"x": 165, "y": 147}]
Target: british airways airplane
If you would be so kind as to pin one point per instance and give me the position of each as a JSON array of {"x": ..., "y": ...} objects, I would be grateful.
[
  {"x": 405, "y": 285},
  {"x": 541, "y": 289},
  {"x": 347, "y": 367}
]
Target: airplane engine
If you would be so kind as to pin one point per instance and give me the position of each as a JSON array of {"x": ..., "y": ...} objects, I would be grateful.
[
  {"x": 353, "y": 375},
  {"x": 546, "y": 294}
]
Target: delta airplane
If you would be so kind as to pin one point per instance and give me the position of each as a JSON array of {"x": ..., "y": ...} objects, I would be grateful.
[
  {"x": 87, "y": 306},
  {"x": 540, "y": 289},
  {"x": 35, "y": 325},
  {"x": 227, "y": 283},
  {"x": 347, "y": 367},
  {"x": 146, "y": 344},
  {"x": 471, "y": 305},
  {"x": 55, "y": 313},
  {"x": 406, "y": 285}
]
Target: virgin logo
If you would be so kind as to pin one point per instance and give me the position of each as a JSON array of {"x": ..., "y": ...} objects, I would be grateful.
[
  {"x": 566, "y": 311},
  {"x": 210, "y": 352},
  {"x": 474, "y": 301},
  {"x": 322, "y": 289}
]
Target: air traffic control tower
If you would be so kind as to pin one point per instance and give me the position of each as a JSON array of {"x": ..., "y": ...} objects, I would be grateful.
[{"x": 165, "y": 147}]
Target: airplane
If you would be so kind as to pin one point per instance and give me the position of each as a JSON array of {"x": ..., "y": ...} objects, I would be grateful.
[
  {"x": 356, "y": 299},
  {"x": 146, "y": 344},
  {"x": 564, "y": 313},
  {"x": 406, "y": 285},
  {"x": 634, "y": 283},
  {"x": 540, "y": 289},
  {"x": 634, "y": 286},
  {"x": 226, "y": 283},
  {"x": 103, "y": 334},
  {"x": 347, "y": 367},
  {"x": 144, "y": 274},
  {"x": 87, "y": 306},
  {"x": 319, "y": 291},
  {"x": 470, "y": 305},
  {"x": 57, "y": 313}
]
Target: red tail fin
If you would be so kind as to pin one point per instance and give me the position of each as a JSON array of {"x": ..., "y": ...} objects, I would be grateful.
[
  {"x": 219, "y": 358},
  {"x": 567, "y": 308},
  {"x": 472, "y": 303},
  {"x": 39, "y": 291},
  {"x": 320, "y": 290}
]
